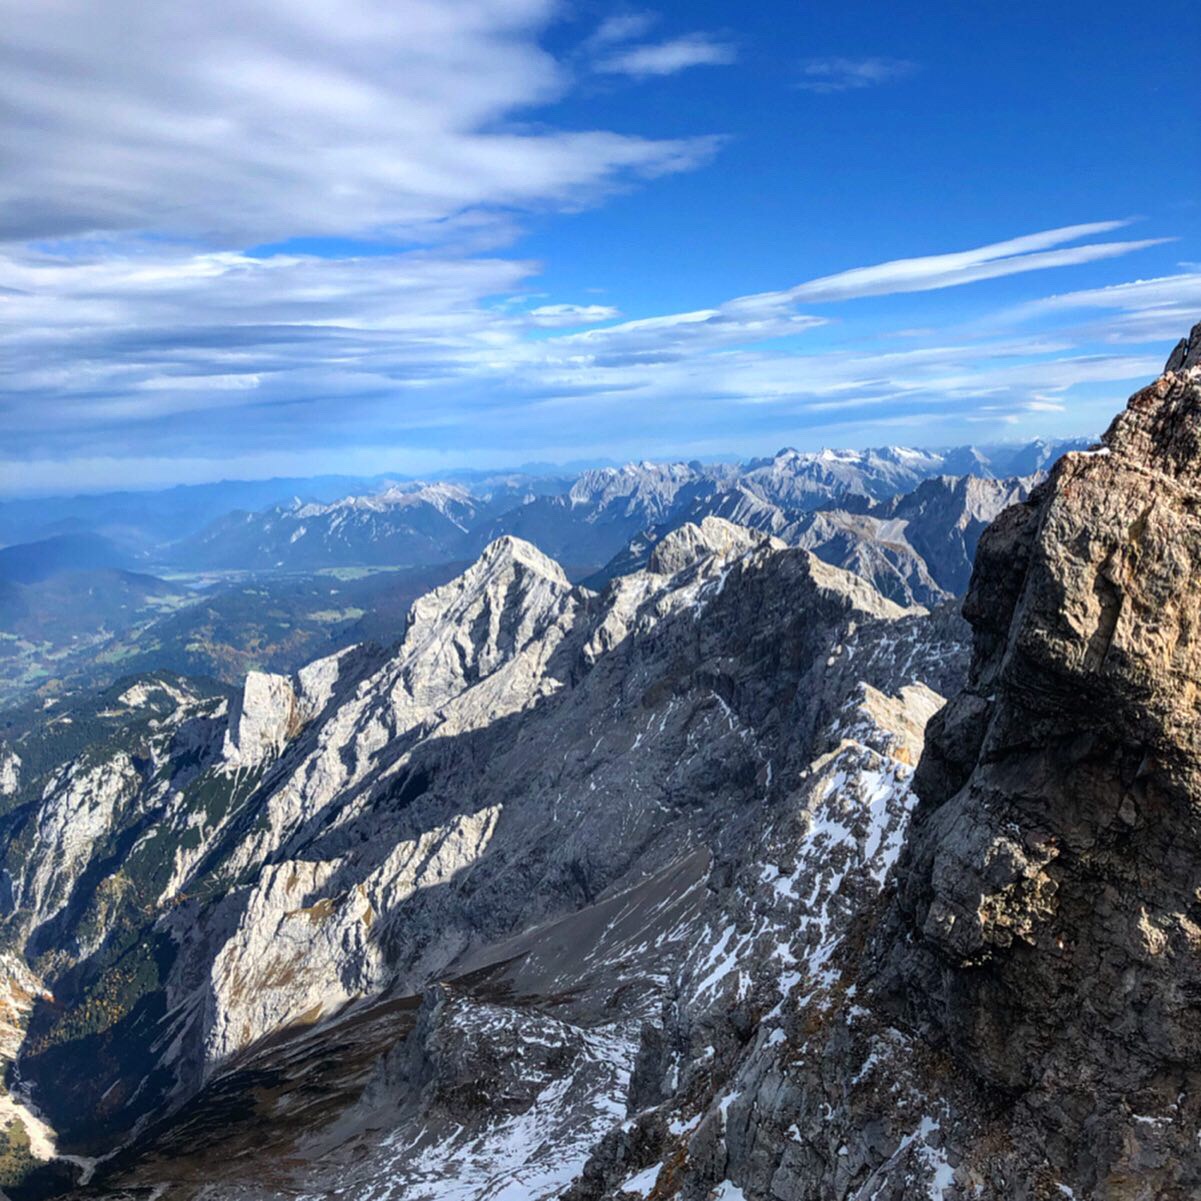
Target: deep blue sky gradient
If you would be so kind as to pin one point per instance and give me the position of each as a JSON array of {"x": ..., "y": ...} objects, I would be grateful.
[{"x": 1018, "y": 116}]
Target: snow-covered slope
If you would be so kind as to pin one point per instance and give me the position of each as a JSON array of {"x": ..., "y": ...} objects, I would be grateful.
[{"x": 445, "y": 898}]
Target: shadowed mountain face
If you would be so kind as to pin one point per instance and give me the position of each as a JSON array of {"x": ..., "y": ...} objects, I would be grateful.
[{"x": 634, "y": 892}]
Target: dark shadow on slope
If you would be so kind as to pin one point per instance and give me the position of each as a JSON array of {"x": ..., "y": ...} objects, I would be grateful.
[{"x": 761, "y": 652}]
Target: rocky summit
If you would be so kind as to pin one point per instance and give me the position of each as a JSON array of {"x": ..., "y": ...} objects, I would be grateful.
[{"x": 691, "y": 885}]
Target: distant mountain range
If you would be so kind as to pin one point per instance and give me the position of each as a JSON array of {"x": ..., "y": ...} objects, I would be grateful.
[
  {"x": 588, "y": 520},
  {"x": 270, "y": 588},
  {"x": 914, "y": 548},
  {"x": 163, "y": 526}
]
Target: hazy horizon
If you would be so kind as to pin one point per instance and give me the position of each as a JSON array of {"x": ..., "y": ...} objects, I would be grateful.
[
  {"x": 250, "y": 241},
  {"x": 533, "y": 469}
]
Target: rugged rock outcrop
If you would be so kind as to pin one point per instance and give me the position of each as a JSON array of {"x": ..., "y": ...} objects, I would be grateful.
[
  {"x": 10, "y": 772},
  {"x": 1047, "y": 926},
  {"x": 262, "y": 718},
  {"x": 690, "y": 543}
]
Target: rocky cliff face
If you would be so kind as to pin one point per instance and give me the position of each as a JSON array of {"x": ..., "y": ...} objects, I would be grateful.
[{"x": 1046, "y": 925}]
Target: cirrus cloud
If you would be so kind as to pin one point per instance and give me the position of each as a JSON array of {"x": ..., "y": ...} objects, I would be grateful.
[
  {"x": 239, "y": 121},
  {"x": 669, "y": 57},
  {"x": 850, "y": 74},
  {"x": 126, "y": 352},
  {"x": 552, "y": 316}
]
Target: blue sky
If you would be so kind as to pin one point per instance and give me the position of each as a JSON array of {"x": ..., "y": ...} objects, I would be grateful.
[{"x": 258, "y": 238}]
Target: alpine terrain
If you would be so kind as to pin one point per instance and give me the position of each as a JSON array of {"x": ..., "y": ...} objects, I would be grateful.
[
  {"x": 275, "y": 588},
  {"x": 732, "y": 873}
]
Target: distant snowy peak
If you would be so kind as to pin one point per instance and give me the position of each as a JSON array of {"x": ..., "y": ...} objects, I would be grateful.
[
  {"x": 451, "y": 500},
  {"x": 804, "y": 477},
  {"x": 886, "y": 464},
  {"x": 403, "y": 525},
  {"x": 586, "y": 521},
  {"x": 915, "y": 547},
  {"x": 651, "y": 488},
  {"x": 966, "y": 460}
]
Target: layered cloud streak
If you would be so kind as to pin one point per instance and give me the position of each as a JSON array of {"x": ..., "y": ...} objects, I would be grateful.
[
  {"x": 151, "y": 148},
  {"x": 234, "y": 121},
  {"x": 148, "y": 344}
]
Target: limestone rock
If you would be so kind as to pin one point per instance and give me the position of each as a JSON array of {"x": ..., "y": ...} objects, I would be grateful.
[
  {"x": 10, "y": 772},
  {"x": 262, "y": 719},
  {"x": 1046, "y": 924},
  {"x": 690, "y": 543}
]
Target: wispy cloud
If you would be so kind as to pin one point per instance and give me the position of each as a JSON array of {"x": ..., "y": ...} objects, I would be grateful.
[
  {"x": 236, "y": 121},
  {"x": 148, "y": 345},
  {"x": 1138, "y": 311},
  {"x": 550, "y": 316},
  {"x": 1180, "y": 293},
  {"x": 849, "y": 74},
  {"x": 1033, "y": 252},
  {"x": 768, "y": 315},
  {"x": 621, "y": 27},
  {"x": 144, "y": 155},
  {"x": 668, "y": 57}
]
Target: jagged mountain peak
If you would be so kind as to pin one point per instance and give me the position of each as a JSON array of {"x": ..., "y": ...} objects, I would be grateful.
[
  {"x": 568, "y": 894},
  {"x": 512, "y": 602},
  {"x": 1186, "y": 356},
  {"x": 510, "y": 553},
  {"x": 488, "y": 796},
  {"x": 442, "y": 496},
  {"x": 853, "y": 588},
  {"x": 712, "y": 536},
  {"x": 648, "y": 488}
]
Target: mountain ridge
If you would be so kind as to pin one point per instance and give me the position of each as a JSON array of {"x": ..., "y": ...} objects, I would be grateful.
[
  {"x": 689, "y": 885},
  {"x": 510, "y": 640}
]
